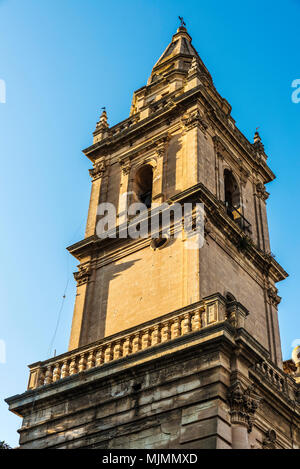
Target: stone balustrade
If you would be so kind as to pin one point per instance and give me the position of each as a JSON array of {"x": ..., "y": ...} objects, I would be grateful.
[
  {"x": 271, "y": 375},
  {"x": 150, "y": 334}
]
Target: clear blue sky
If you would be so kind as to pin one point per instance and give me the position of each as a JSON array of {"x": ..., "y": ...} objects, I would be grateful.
[{"x": 62, "y": 61}]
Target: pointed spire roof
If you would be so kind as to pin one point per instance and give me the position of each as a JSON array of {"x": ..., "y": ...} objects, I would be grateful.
[
  {"x": 177, "y": 53},
  {"x": 258, "y": 145},
  {"x": 257, "y": 141},
  {"x": 102, "y": 127},
  {"x": 103, "y": 120}
]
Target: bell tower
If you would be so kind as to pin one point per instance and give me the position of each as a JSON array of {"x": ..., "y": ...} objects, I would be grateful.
[
  {"x": 179, "y": 142},
  {"x": 171, "y": 347}
]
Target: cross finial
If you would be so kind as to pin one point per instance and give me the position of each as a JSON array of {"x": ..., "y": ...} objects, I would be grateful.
[{"x": 182, "y": 23}]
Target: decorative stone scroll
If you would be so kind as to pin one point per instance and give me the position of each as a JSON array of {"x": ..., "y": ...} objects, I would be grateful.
[
  {"x": 273, "y": 296},
  {"x": 194, "y": 119},
  {"x": 83, "y": 274},
  {"x": 269, "y": 441},
  {"x": 261, "y": 192},
  {"x": 98, "y": 170},
  {"x": 125, "y": 166}
]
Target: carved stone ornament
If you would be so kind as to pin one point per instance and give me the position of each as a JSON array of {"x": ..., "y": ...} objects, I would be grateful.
[
  {"x": 274, "y": 298},
  {"x": 98, "y": 170},
  {"x": 220, "y": 148},
  {"x": 161, "y": 145},
  {"x": 269, "y": 441},
  {"x": 194, "y": 119},
  {"x": 243, "y": 405},
  {"x": 194, "y": 68},
  {"x": 258, "y": 146},
  {"x": 261, "y": 192},
  {"x": 125, "y": 166},
  {"x": 83, "y": 275}
]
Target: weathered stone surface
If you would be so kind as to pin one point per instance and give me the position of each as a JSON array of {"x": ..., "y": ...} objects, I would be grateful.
[
  {"x": 174, "y": 400},
  {"x": 171, "y": 347}
]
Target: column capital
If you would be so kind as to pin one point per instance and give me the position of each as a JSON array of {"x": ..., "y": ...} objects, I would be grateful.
[
  {"x": 243, "y": 404},
  {"x": 83, "y": 274},
  {"x": 98, "y": 170},
  {"x": 125, "y": 166},
  {"x": 194, "y": 119}
]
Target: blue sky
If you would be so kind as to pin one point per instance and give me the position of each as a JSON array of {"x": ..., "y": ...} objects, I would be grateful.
[{"x": 61, "y": 62}]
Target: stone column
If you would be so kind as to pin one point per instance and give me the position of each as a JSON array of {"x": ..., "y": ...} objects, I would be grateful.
[
  {"x": 261, "y": 196},
  {"x": 82, "y": 278},
  {"x": 193, "y": 164},
  {"x": 239, "y": 436},
  {"x": 158, "y": 172},
  {"x": 97, "y": 174},
  {"x": 123, "y": 200}
]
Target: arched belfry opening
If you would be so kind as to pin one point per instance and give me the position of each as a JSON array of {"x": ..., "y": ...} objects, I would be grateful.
[
  {"x": 232, "y": 194},
  {"x": 143, "y": 184}
]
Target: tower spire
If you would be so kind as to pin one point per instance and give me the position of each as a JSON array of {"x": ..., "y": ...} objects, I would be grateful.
[
  {"x": 103, "y": 119},
  {"x": 258, "y": 145},
  {"x": 177, "y": 55},
  {"x": 102, "y": 127}
]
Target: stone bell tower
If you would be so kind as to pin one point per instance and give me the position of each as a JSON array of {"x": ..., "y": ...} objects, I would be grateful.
[{"x": 171, "y": 347}]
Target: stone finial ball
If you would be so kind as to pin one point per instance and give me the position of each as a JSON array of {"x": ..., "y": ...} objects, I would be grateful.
[{"x": 296, "y": 355}]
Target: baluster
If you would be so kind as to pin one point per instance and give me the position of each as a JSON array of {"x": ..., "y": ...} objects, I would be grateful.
[
  {"x": 258, "y": 366},
  {"x": 73, "y": 366},
  {"x": 127, "y": 346},
  {"x": 186, "y": 324},
  {"x": 48, "y": 376},
  {"x": 165, "y": 332},
  {"x": 108, "y": 354},
  {"x": 117, "y": 350},
  {"x": 41, "y": 378},
  {"x": 56, "y": 372},
  {"x": 99, "y": 357},
  {"x": 65, "y": 369},
  {"x": 136, "y": 343},
  {"x": 90, "y": 360},
  {"x": 82, "y": 363},
  {"x": 176, "y": 329},
  {"x": 156, "y": 335},
  {"x": 196, "y": 323},
  {"x": 146, "y": 339}
]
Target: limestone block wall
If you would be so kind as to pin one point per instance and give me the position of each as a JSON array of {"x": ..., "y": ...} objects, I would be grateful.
[
  {"x": 223, "y": 268},
  {"x": 138, "y": 287},
  {"x": 172, "y": 396}
]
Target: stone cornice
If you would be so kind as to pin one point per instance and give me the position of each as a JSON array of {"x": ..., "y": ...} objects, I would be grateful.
[
  {"x": 218, "y": 337},
  {"x": 98, "y": 170},
  {"x": 217, "y": 215},
  {"x": 157, "y": 143},
  {"x": 180, "y": 103},
  {"x": 83, "y": 274},
  {"x": 185, "y": 321}
]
